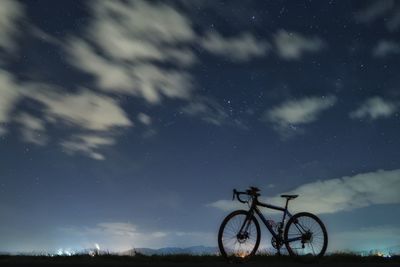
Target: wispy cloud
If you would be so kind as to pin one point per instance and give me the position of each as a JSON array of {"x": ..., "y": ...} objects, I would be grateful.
[
  {"x": 9, "y": 95},
  {"x": 141, "y": 79},
  {"x": 238, "y": 48},
  {"x": 125, "y": 42},
  {"x": 388, "y": 10},
  {"x": 373, "y": 11},
  {"x": 93, "y": 119},
  {"x": 123, "y": 236},
  {"x": 226, "y": 205},
  {"x": 32, "y": 129},
  {"x": 85, "y": 112},
  {"x": 88, "y": 144},
  {"x": 375, "y": 108},
  {"x": 291, "y": 114},
  {"x": 139, "y": 48},
  {"x": 85, "y": 109},
  {"x": 113, "y": 236},
  {"x": 11, "y": 12},
  {"x": 118, "y": 228},
  {"x": 292, "y": 46},
  {"x": 349, "y": 192},
  {"x": 393, "y": 22},
  {"x": 340, "y": 194},
  {"x": 144, "y": 118},
  {"x": 385, "y": 47},
  {"x": 210, "y": 111}
]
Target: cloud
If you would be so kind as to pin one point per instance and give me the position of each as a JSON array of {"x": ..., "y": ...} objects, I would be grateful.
[
  {"x": 210, "y": 111},
  {"x": 385, "y": 47},
  {"x": 118, "y": 228},
  {"x": 144, "y": 118},
  {"x": 9, "y": 95},
  {"x": 123, "y": 236},
  {"x": 292, "y": 46},
  {"x": 87, "y": 144},
  {"x": 44, "y": 37},
  {"x": 93, "y": 119},
  {"x": 85, "y": 109},
  {"x": 125, "y": 43},
  {"x": 374, "y": 108},
  {"x": 145, "y": 49},
  {"x": 11, "y": 12},
  {"x": 350, "y": 192},
  {"x": 33, "y": 129},
  {"x": 293, "y": 113},
  {"x": 227, "y": 205},
  {"x": 393, "y": 23},
  {"x": 143, "y": 80},
  {"x": 373, "y": 11},
  {"x": 388, "y": 10},
  {"x": 113, "y": 236},
  {"x": 340, "y": 194},
  {"x": 238, "y": 48},
  {"x": 138, "y": 48},
  {"x": 158, "y": 22}
]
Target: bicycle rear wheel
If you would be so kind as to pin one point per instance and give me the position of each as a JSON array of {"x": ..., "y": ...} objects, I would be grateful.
[
  {"x": 305, "y": 236},
  {"x": 239, "y": 236}
]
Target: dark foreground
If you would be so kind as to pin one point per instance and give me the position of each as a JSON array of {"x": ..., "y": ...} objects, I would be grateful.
[{"x": 192, "y": 261}]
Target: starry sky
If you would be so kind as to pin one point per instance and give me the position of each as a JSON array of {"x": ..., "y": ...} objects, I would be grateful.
[{"x": 128, "y": 123}]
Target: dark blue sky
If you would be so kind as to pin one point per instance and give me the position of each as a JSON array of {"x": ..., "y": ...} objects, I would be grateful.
[{"x": 127, "y": 124}]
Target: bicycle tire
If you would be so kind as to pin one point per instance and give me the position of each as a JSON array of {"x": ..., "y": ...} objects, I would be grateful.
[
  {"x": 238, "y": 256},
  {"x": 301, "y": 218}
]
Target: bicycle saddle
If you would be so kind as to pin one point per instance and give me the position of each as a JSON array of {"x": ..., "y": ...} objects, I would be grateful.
[{"x": 289, "y": 197}]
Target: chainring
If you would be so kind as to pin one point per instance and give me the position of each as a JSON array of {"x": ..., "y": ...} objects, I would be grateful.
[{"x": 275, "y": 243}]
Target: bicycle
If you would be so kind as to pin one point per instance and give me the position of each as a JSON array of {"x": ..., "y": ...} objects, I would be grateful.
[{"x": 304, "y": 235}]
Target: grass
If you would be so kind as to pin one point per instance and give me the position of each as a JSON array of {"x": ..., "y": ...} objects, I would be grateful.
[{"x": 139, "y": 258}]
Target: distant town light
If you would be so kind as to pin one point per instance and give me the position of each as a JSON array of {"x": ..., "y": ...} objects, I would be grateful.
[{"x": 65, "y": 252}]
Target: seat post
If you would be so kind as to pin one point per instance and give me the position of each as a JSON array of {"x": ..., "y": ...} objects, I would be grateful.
[{"x": 287, "y": 202}]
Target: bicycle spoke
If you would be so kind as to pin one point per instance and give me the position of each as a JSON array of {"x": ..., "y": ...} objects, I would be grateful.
[
  {"x": 311, "y": 237},
  {"x": 310, "y": 244},
  {"x": 239, "y": 236}
]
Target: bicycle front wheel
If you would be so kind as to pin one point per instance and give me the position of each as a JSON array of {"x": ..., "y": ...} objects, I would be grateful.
[
  {"x": 239, "y": 236},
  {"x": 306, "y": 236}
]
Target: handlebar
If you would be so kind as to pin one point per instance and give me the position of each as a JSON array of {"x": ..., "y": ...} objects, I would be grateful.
[
  {"x": 236, "y": 194},
  {"x": 250, "y": 192}
]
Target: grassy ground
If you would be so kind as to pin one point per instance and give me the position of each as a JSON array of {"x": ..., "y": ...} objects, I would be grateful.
[{"x": 189, "y": 260}]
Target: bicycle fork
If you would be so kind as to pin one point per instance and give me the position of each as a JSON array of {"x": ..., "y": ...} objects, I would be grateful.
[{"x": 243, "y": 232}]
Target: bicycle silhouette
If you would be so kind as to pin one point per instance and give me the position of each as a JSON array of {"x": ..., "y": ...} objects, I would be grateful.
[{"x": 303, "y": 234}]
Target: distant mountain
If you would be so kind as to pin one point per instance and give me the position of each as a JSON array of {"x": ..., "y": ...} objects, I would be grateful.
[{"x": 194, "y": 250}]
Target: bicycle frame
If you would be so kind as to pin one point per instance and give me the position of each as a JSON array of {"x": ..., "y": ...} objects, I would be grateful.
[
  {"x": 285, "y": 211},
  {"x": 254, "y": 209}
]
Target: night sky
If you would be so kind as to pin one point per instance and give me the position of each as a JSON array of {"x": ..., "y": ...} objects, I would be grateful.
[{"x": 128, "y": 124}]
